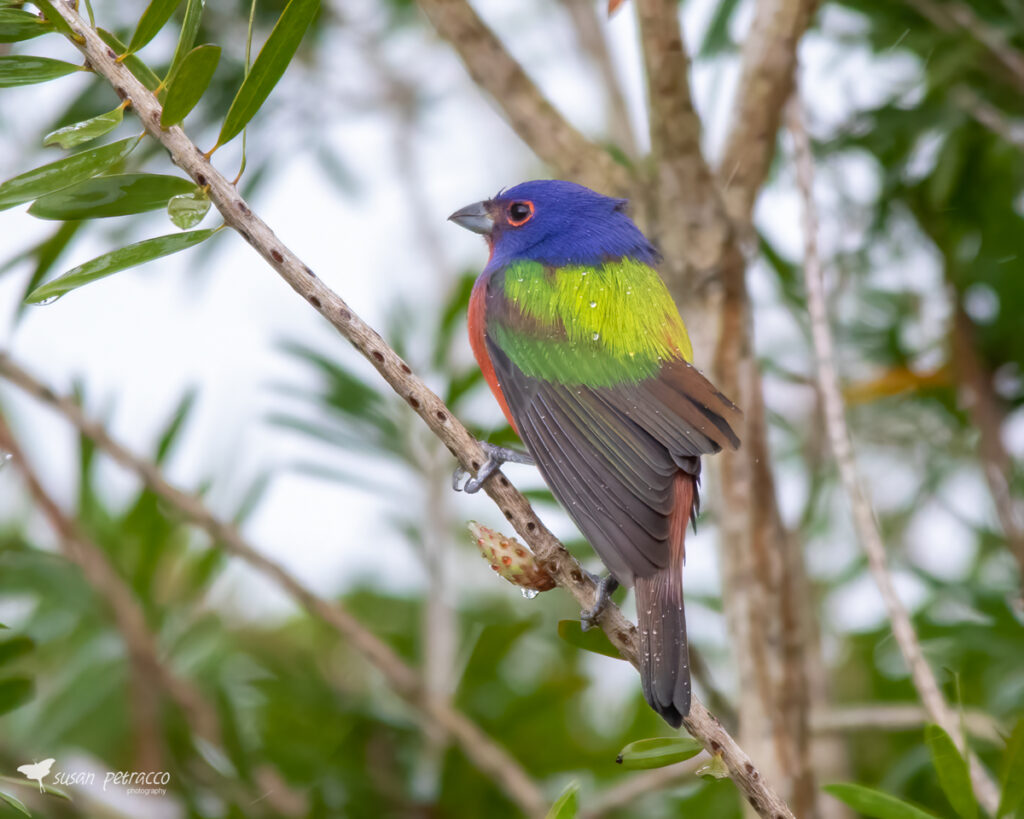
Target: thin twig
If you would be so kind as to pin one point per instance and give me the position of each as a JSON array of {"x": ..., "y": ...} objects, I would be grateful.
[
  {"x": 952, "y": 16},
  {"x": 766, "y": 81},
  {"x": 986, "y": 114},
  {"x": 692, "y": 229},
  {"x": 882, "y": 717},
  {"x": 151, "y": 674},
  {"x": 527, "y": 110},
  {"x": 590, "y": 32},
  {"x": 551, "y": 554},
  {"x": 492, "y": 760},
  {"x": 640, "y": 785},
  {"x": 986, "y": 413},
  {"x": 864, "y": 519}
]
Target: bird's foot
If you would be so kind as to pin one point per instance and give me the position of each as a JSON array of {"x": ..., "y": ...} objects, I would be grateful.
[
  {"x": 606, "y": 587},
  {"x": 496, "y": 456}
]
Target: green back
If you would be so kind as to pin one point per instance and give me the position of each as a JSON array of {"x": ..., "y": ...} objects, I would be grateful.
[{"x": 597, "y": 326}]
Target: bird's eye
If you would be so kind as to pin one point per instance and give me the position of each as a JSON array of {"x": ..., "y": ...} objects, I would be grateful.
[{"x": 519, "y": 213}]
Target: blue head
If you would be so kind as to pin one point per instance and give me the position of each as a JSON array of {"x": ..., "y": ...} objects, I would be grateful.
[{"x": 556, "y": 223}]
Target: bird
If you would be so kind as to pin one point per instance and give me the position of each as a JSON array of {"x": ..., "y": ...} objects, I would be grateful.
[
  {"x": 588, "y": 358},
  {"x": 37, "y": 770}
]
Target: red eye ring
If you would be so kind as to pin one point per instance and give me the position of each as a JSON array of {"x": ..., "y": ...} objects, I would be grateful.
[{"x": 520, "y": 212}]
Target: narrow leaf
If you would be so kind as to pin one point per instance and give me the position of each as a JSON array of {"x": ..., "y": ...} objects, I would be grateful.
[
  {"x": 117, "y": 195},
  {"x": 874, "y": 803},
  {"x": 186, "y": 210},
  {"x": 270, "y": 64},
  {"x": 143, "y": 73},
  {"x": 189, "y": 83},
  {"x": 21, "y": 69},
  {"x": 594, "y": 640},
  {"x": 75, "y": 134},
  {"x": 63, "y": 173},
  {"x": 118, "y": 260},
  {"x": 154, "y": 18},
  {"x": 15, "y": 692},
  {"x": 952, "y": 770},
  {"x": 14, "y": 648},
  {"x": 568, "y": 803},
  {"x": 1013, "y": 771},
  {"x": 16, "y": 25},
  {"x": 52, "y": 17},
  {"x": 658, "y": 752},
  {"x": 189, "y": 31},
  {"x": 15, "y": 803}
]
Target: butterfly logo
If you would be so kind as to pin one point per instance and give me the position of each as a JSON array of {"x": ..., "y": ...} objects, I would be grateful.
[{"x": 37, "y": 771}]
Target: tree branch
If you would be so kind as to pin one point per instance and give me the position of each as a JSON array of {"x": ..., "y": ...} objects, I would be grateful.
[
  {"x": 526, "y": 109},
  {"x": 550, "y": 552},
  {"x": 951, "y": 16},
  {"x": 766, "y": 81},
  {"x": 691, "y": 227},
  {"x": 150, "y": 674},
  {"x": 492, "y": 760},
  {"x": 985, "y": 412},
  {"x": 842, "y": 449}
]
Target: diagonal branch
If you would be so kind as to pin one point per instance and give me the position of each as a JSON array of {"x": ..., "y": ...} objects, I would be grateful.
[
  {"x": 150, "y": 674},
  {"x": 550, "y": 552},
  {"x": 766, "y": 82},
  {"x": 692, "y": 228},
  {"x": 492, "y": 760},
  {"x": 526, "y": 109},
  {"x": 842, "y": 449}
]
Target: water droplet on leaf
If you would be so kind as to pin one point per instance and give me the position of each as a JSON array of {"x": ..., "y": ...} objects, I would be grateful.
[
  {"x": 596, "y": 336},
  {"x": 593, "y": 304}
]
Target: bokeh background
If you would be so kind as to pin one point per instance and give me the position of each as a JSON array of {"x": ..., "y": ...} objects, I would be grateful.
[{"x": 208, "y": 363}]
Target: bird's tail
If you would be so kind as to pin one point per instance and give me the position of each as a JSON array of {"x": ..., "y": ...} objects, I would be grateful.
[{"x": 664, "y": 658}]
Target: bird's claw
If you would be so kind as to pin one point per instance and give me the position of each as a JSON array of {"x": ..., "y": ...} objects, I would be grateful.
[
  {"x": 496, "y": 456},
  {"x": 606, "y": 587}
]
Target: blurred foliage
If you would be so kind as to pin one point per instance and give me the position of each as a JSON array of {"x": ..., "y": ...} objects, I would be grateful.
[{"x": 298, "y": 707}]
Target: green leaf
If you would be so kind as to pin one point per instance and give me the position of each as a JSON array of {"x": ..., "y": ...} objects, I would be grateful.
[
  {"x": 15, "y": 803},
  {"x": 187, "y": 210},
  {"x": 75, "y": 134},
  {"x": 14, "y": 648},
  {"x": 189, "y": 31},
  {"x": 874, "y": 803},
  {"x": 270, "y": 64},
  {"x": 954, "y": 777},
  {"x": 58, "y": 22},
  {"x": 658, "y": 752},
  {"x": 22, "y": 69},
  {"x": 189, "y": 83},
  {"x": 154, "y": 18},
  {"x": 116, "y": 195},
  {"x": 16, "y": 25},
  {"x": 118, "y": 260},
  {"x": 714, "y": 768},
  {"x": 63, "y": 173},
  {"x": 1013, "y": 771},
  {"x": 15, "y": 692},
  {"x": 568, "y": 803},
  {"x": 143, "y": 73},
  {"x": 594, "y": 640}
]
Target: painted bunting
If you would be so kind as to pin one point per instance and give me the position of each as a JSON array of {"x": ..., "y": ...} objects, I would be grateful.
[{"x": 586, "y": 353}]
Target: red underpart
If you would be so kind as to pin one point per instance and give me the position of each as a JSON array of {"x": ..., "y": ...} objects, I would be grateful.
[
  {"x": 477, "y": 327},
  {"x": 682, "y": 507}
]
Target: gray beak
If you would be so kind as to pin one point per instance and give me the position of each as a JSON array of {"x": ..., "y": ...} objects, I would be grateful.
[{"x": 474, "y": 217}]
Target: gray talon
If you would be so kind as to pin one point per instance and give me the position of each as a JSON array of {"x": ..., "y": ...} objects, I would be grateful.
[
  {"x": 496, "y": 456},
  {"x": 606, "y": 587}
]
